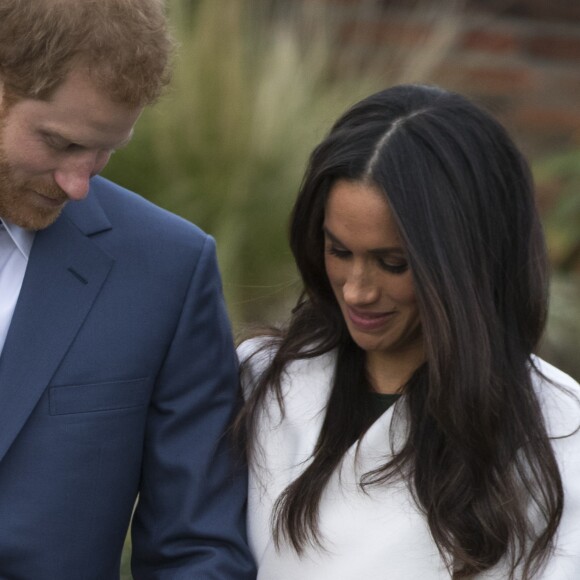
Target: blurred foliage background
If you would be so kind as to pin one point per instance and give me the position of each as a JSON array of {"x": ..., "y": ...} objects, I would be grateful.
[
  {"x": 558, "y": 178},
  {"x": 257, "y": 84}
]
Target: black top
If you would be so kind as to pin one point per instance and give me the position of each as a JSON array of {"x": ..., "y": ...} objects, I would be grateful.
[{"x": 380, "y": 402}]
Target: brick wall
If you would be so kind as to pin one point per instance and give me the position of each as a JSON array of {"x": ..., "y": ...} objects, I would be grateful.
[{"x": 520, "y": 58}]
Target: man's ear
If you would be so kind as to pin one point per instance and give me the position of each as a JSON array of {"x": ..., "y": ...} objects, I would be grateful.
[
  {"x": 3, "y": 95},
  {"x": 7, "y": 97}
]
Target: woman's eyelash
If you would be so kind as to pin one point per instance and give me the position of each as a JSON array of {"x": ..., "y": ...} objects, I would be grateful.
[
  {"x": 338, "y": 252},
  {"x": 391, "y": 268}
]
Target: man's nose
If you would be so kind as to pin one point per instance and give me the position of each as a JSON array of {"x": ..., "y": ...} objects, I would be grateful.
[{"x": 73, "y": 177}]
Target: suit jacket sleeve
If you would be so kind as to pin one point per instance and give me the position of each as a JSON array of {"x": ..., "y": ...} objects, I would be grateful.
[{"x": 189, "y": 519}]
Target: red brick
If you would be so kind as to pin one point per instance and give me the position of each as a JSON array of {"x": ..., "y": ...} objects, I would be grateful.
[
  {"x": 549, "y": 120},
  {"x": 565, "y": 81},
  {"x": 552, "y": 10},
  {"x": 394, "y": 33},
  {"x": 490, "y": 41},
  {"x": 487, "y": 79},
  {"x": 554, "y": 47}
]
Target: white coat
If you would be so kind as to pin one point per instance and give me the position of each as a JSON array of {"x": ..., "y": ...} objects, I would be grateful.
[{"x": 380, "y": 534}]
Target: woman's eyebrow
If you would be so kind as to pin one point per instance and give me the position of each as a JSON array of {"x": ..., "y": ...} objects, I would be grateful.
[
  {"x": 332, "y": 237},
  {"x": 374, "y": 251}
]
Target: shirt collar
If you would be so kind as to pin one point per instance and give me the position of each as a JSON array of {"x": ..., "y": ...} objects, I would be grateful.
[{"x": 22, "y": 238}]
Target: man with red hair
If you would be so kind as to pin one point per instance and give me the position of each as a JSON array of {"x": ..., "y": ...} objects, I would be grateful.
[{"x": 118, "y": 377}]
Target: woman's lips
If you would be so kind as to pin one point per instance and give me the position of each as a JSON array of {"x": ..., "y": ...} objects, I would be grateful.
[{"x": 368, "y": 321}]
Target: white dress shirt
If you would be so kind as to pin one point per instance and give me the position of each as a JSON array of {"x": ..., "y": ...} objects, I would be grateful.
[{"x": 15, "y": 246}]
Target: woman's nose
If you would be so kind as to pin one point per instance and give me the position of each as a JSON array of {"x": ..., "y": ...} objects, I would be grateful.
[{"x": 360, "y": 288}]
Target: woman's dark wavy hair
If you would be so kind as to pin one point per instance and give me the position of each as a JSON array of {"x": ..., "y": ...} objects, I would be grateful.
[{"x": 477, "y": 456}]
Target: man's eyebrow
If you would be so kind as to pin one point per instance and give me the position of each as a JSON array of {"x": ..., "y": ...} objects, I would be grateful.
[
  {"x": 56, "y": 134},
  {"x": 52, "y": 134}
]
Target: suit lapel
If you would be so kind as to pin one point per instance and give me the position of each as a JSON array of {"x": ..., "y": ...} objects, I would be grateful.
[{"x": 65, "y": 273}]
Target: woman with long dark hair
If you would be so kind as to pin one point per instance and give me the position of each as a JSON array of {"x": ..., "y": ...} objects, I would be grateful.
[{"x": 400, "y": 427}]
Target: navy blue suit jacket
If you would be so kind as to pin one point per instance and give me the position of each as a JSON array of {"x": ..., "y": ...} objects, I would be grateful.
[{"x": 117, "y": 381}]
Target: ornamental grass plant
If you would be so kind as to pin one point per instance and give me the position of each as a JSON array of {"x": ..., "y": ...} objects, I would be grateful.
[{"x": 257, "y": 84}]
